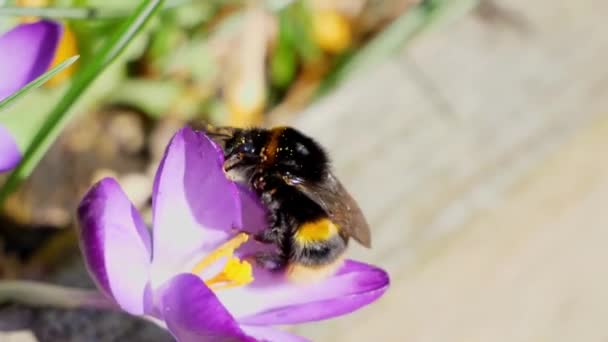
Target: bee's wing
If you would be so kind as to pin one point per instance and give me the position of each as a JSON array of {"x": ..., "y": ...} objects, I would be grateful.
[{"x": 340, "y": 207}]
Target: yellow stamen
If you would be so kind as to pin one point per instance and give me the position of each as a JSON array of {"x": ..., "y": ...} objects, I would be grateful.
[
  {"x": 68, "y": 47},
  {"x": 235, "y": 272}
]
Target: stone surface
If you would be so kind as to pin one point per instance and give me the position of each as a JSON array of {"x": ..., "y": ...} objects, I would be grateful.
[{"x": 476, "y": 156}]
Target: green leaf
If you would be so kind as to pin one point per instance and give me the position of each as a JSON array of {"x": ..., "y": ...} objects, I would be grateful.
[
  {"x": 153, "y": 97},
  {"x": 296, "y": 27},
  {"x": 4, "y": 104},
  {"x": 59, "y": 116},
  {"x": 24, "y": 118},
  {"x": 80, "y": 13},
  {"x": 283, "y": 62},
  {"x": 283, "y": 66},
  {"x": 195, "y": 57}
]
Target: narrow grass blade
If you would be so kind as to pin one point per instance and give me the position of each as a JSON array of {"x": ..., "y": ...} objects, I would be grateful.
[
  {"x": 4, "y": 104},
  {"x": 78, "y": 13},
  {"x": 98, "y": 13},
  {"x": 60, "y": 114}
]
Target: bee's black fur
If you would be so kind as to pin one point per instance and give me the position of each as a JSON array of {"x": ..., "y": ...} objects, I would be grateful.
[
  {"x": 301, "y": 156},
  {"x": 266, "y": 157}
]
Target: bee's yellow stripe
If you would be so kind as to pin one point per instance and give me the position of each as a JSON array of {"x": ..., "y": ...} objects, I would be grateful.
[{"x": 320, "y": 230}]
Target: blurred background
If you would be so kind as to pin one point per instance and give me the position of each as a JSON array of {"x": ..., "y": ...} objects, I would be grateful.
[{"x": 473, "y": 134}]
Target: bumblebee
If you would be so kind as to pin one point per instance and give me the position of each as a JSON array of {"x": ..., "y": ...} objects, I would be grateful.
[{"x": 311, "y": 214}]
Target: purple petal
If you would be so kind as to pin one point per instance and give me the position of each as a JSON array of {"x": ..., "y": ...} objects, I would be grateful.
[
  {"x": 271, "y": 335},
  {"x": 26, "y": 52},
  {"x": 193, "y": 313},
  {"x": 116, "y": 245},
  {"x": 279, "y": 302},
  {"x": 195, "y": 206},
  {"x": 9, "y": 151},
  {"x": 254, "y": 216}
]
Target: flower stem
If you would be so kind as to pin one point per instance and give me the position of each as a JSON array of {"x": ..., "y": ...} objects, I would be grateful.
[{"x": 47, "y": 295}]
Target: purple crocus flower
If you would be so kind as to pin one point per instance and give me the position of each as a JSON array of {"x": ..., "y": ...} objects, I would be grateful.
[
  {"x": 190, "y": 272},
  {"x": 26, "y": 52}
]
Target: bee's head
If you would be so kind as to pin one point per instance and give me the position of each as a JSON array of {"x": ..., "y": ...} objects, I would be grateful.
[
  {"x": 282, "y": 154},
  {"x": 298, "y": 158},
  {"x": 242, "y": 152}
]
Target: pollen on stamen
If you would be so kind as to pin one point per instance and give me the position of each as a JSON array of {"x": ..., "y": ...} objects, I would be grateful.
[{"x": 235, "y": 272}]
